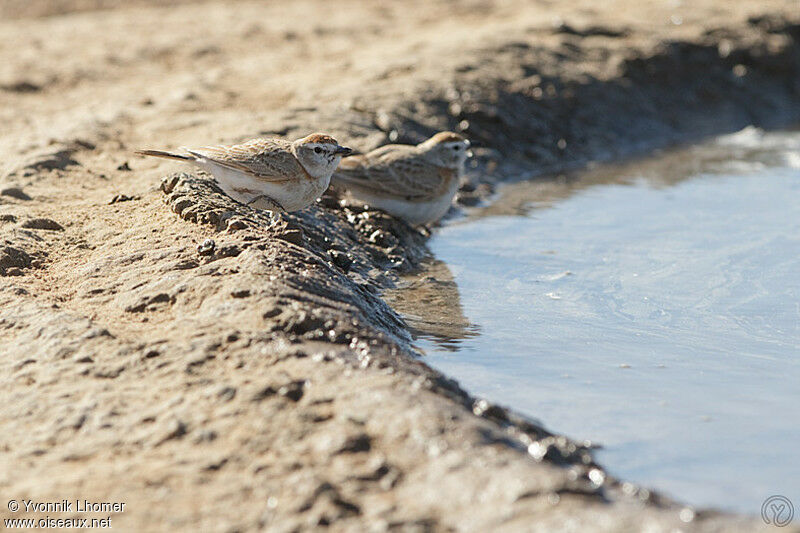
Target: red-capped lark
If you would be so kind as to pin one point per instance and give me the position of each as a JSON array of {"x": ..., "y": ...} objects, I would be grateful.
[
  {"x": 268, "y": 174},
  {"x": 415, "y": 183}
]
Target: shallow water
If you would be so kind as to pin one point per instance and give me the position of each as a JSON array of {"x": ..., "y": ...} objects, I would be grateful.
[{"x": 653, "y": 308}]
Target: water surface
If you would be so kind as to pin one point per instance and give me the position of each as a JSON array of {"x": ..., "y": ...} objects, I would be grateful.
[{"x": 653, "y": 308}]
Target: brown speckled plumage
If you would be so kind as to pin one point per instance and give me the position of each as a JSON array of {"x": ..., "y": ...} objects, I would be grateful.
[
  {"x": 416, "y": 183},
  {"x": 265, "y": 159},
  {"x": 269, "y": 174},
  {"x": 395, "y": 170}
]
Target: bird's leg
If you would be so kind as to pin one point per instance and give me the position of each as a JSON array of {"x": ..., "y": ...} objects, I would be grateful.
[{"x": 265, "y": 202}]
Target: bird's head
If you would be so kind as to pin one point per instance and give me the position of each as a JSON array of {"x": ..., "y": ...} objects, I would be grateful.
[
  {"x": 446, "y": 149},
  {"x": 319, "y": 154}
]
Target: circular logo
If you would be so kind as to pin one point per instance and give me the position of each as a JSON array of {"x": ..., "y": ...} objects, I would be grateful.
[
  {"x": 13, "y": 506},
  {"x": 777, "y": 511}
]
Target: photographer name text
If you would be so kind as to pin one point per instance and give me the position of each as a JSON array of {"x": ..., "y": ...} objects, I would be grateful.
[{"x": 72, "y": 506}]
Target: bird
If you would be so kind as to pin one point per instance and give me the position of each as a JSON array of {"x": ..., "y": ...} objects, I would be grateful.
[
  {"x": 270, "y": 174},
  {"x": 416, "y": 183}
]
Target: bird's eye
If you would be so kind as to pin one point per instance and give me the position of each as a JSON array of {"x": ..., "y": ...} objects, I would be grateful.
[
  {"x": 456, "y": 147},
  {"x": 318, "y": 150}
]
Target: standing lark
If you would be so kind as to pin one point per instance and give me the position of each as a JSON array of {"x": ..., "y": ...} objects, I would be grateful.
[
  {"x": 415, "y": 183},
  {"x": 268, "y": 174}
]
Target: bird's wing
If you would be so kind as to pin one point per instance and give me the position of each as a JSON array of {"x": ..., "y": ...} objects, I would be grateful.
[
  {"x": 398, "y": 172},
  {"x": 265, "y": 159}
]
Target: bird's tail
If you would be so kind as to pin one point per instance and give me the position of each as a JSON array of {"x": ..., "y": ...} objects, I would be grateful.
[{"x": 165, "y": 155}]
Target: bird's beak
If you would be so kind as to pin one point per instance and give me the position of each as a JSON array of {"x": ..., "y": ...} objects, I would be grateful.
[{"x": 343, "y": 151}]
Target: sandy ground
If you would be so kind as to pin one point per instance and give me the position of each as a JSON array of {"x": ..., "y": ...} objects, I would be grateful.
[{"x": 264, "y": 383}]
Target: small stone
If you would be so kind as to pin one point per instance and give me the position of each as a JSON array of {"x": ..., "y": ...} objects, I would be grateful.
[
  {"x": 175, "y": 430},
  {"x": 264, "y": 393},
  {"x": 340, "y": 259},
  {"x": 294, "y": 236},
  {"x": 15, "y": 192},
  {"x": 168, "y": 183},
  {"x": 294, "y": 390},
  {"x": 227, "y": 393},
  {"x": 121, "y": 198},
  {"x": 356, "y": 444},
  {"x": 207, "y": 247},
  {"x": 234, "y": 224},
  {"x": 43, "y": 224},
  {"x": 271, "y": 313}
]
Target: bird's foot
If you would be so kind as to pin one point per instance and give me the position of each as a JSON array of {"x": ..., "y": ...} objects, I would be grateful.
[{"x": 266, "y": 203}]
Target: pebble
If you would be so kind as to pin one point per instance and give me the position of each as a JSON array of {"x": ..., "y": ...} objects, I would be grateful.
[
  {"x": 15, "y": 192},
  {"x": 207, "y": 247}
]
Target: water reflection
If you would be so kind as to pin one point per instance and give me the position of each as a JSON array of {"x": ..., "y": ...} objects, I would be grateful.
[
  {"x": 653, "y": 307},
  {"x": 431, "y": 305},
  {"x": 429, "y": 300}
]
